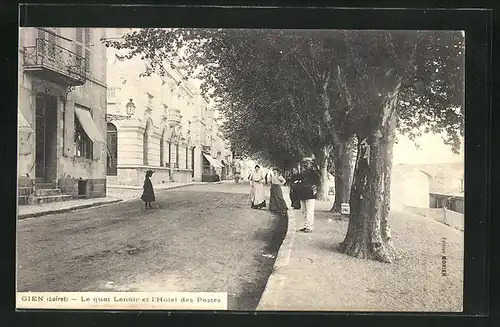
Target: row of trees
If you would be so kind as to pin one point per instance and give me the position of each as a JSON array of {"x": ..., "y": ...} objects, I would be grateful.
[{"x": 287, "y": 94}]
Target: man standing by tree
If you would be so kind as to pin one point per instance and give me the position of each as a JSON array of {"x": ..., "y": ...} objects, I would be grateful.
[{"x": 307, "y": 192}]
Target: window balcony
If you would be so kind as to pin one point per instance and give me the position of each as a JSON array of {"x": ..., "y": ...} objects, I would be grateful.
[{"x": 54, "y": 63}]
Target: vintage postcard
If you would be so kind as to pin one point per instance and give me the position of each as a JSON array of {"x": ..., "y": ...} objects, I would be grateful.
[{"x": 240, "y": 169}]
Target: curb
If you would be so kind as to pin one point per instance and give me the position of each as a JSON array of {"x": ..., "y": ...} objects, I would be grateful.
[
  {"x": 82, "y": 206},
  {"x": 270, "y": 297},
  {"x": 138, "y": 188},
  {"x": 158, "y": 186},
  {"x": 178, "y": 186}
]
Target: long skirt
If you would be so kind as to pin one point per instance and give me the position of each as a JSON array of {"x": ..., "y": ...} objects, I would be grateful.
[
  {"x": 148, "y": 195},
  {"x": 251, "y": 194},
  {"x": 276, "y": 201},
  {"x": 295, "y": 201},
  {"x": 258, "y": 196}
]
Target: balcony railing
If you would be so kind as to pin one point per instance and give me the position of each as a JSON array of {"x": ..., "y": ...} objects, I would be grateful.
[{"x": 57, "y": 63}]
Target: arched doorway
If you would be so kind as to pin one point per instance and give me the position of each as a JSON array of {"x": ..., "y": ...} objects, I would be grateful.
[
  {"x": 192, "y": 162},
  {"x": 112, "y": 146}
]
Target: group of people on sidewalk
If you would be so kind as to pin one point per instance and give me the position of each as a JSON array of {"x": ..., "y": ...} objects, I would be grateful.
[{"x": 303, "y": 191}]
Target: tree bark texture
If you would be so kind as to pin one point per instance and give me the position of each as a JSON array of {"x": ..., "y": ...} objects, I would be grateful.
[
  {"x": 322, "y": 162},
  {"x": 368, "y": 235},
  {"x": 343, "y": 175}
]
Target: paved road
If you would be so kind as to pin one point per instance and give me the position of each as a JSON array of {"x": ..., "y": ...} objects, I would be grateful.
[{"x": 201, "y": 238}]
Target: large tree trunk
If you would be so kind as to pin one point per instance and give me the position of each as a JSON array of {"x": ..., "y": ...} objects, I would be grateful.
[
  {"x": 368, "y": 235},
  {"x": 343, "y": 175},
  {"x": 322, "y": 162}
]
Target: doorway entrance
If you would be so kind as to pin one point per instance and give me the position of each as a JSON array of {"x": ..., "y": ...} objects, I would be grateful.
[
  {"x": 46, "y": 138},
  {"x": 112, "y": 169},
  {"x": 192, "y": 162}
]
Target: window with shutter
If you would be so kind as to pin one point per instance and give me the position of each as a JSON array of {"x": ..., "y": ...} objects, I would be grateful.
[
  {"x": 82, "y": 47},
  {"x": 79, "y": 35},
  {"x": 88, "y": 53},
  {"x": 87, "y": 60},
  {"x": 88, "y": 37},
  {"x": 41, "y": 42},
  {"x": 51, "y": 46},
  {"x": 78, "y": 51}
]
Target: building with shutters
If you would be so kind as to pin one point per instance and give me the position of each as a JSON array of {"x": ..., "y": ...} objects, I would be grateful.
[
  {"x": 62, "y": 114},
  {"x": 162, "y": 123}
]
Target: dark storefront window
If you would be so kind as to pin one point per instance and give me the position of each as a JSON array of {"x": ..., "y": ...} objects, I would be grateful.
[{"x": 112, "y": 144}]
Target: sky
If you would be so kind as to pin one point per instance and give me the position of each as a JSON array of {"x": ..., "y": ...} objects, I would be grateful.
[{"x": 432, "y": 150}]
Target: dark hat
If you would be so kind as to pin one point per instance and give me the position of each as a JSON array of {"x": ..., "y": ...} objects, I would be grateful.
[{"x": 149, "y": 172}]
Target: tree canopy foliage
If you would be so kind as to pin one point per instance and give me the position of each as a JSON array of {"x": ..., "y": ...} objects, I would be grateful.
[{"x": 287, "y": 91}]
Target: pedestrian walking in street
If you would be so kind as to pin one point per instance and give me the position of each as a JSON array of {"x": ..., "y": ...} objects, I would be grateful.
[
  {"x": 148, "y": 194},
  {"x": 258, "y": 196},
  {"x": 292, "y": 183},
  {"x": 276, "y": 201},
  {"x": 307, "y": 190}
]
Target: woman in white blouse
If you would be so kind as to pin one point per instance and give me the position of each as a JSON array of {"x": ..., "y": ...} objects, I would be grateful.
[
  {"x": 276, "y": 201},
  {"x": 257, "y": 194}
]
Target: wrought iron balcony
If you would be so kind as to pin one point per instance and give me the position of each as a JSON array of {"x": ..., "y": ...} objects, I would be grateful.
[{"x": 55, "y": 63}]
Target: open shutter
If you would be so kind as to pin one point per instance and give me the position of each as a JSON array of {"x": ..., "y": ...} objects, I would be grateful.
[
  {"x": 51, "y": 46},
  {"x": 88, "y": 61},
  {"x": 69, "y": 129},
  {"x": 87, "y": 54},
  {"x": 41, "y": 43}
]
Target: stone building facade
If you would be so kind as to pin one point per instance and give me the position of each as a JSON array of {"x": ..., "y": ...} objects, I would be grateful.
[
  {"x": 62, "y": 114},
  {"x": 162, "y": 123}
]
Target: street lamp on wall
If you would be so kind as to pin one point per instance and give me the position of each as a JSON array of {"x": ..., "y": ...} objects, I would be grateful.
[{"x": 130, "y": 108}]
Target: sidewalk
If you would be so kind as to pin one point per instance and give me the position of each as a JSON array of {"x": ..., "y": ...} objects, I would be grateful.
[
  {"x": 37, "y": 210},
  {"x": 311, "y": 274},
  {"x": 115, "y": 193}
]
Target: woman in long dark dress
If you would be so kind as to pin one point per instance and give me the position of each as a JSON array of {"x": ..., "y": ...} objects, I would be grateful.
[
  {"x": 276, "y": 201},
  {"x": 291, "y": 183},
  {"x": 148, "y": 195}
]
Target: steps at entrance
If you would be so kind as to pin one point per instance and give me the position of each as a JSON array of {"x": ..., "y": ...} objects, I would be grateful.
[
  {"x": 24, "y": 191},
  {"x": 23, "y": 200},
  {"x": 47, "y": 192},
  {"x": 23, "y": 194},
  {"x": 44, "y": 193},
  {"x": 45, "y": 186}
]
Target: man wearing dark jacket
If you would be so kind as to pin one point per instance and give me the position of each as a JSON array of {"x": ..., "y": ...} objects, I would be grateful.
[{"x": 307, "y": 191}]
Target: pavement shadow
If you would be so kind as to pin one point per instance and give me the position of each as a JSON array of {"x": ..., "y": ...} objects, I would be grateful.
[
  {"x": 272, "y": 238},
  {"x": 329, "y": 245}
]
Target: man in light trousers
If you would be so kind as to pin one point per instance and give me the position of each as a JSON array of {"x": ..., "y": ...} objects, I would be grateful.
[{"x": 307, "y": 195}]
